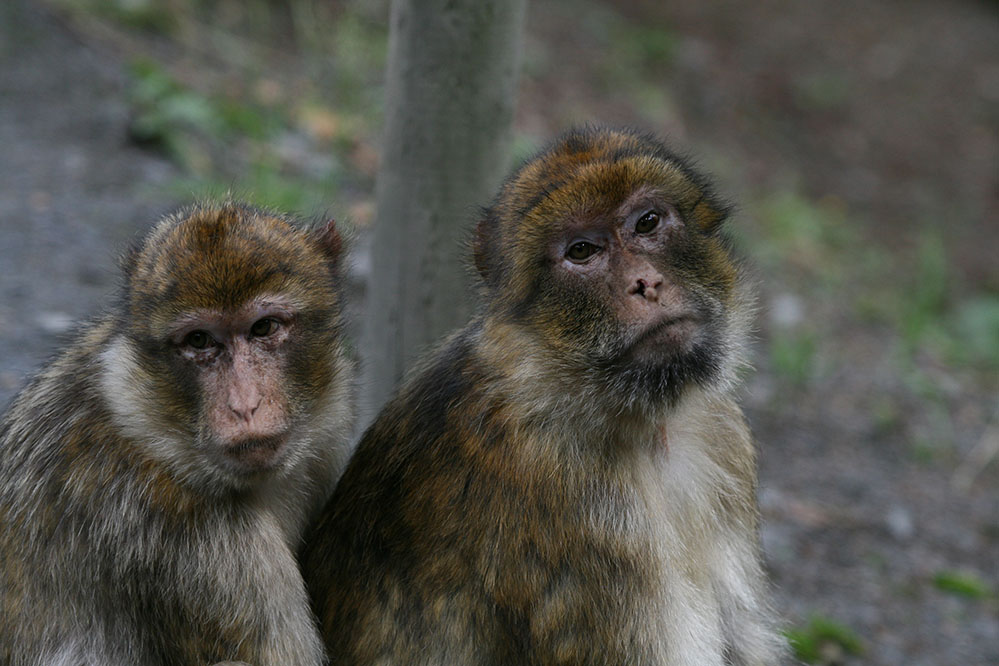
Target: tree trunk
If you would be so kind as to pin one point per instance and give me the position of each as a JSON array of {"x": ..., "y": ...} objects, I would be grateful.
[{"x": 450, "y": 92}]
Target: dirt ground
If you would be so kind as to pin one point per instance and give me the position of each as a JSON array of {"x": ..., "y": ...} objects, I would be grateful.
[{"x": 885, "y": 113}]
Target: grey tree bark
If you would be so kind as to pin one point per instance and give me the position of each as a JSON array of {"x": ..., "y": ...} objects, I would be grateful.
[{"x": 450, "y": 93}]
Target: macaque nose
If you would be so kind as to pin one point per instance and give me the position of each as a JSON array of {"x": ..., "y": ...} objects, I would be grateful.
[
  {"x": 244, "y": 404},
  {"x": 647, "y": 287}
]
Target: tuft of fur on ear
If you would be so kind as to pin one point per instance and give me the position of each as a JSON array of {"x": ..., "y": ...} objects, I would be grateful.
[{"x": 329, "y": 239}]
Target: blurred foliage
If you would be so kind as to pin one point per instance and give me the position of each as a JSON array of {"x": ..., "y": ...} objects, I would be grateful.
[
  {"x": 962, "y": 584},
  {"x": 793, "y": 356},
  {"x": 822, "y": 92},
  {"x": 640, "y": 48},
  {"x": 282, "y": 101},
  {"x": 277, "y": 100},
  {"x": 824, "y": 641},
  {"x": 962, "y": 331},
  {"x": 926, "y": 295},
  {"x": 809, "y": 235},
  {"x": 262, "y": 186},
  {"x": 975, "y": 327},
  {"x": 359, "y": 51},
  {"x": 633, "y": 56},
  {"x": 148, "y": 15},
  {"x": 169, "y": 117},
  {"x": 912, "y": 290}
]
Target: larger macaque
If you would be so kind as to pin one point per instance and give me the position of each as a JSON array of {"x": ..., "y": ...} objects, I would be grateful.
[
  {"x": 568, "y": 479},
  {"x": 155, "y": 478}
]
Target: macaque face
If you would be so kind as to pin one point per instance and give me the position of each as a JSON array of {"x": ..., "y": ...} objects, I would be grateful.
[
  {"x": 607, "y": 247},
  {"x": 622, "y": 261},
  {"x": 619, "y": 294},
  {"x": 238, "y": 361},
  {"x": 235, "y": 319}
]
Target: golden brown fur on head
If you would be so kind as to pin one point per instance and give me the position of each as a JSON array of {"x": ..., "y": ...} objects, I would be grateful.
[
  {"x": 584, "y": 172},
  {"x": 221, "y": 256}
]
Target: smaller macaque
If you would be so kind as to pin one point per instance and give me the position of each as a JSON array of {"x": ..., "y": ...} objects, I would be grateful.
[{"x": 156, "y": 477}]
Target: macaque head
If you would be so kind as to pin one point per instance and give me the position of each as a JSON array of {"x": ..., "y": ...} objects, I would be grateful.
[
  {"x": 232, "y": 327},
  {"x": 607, "y": 246}
]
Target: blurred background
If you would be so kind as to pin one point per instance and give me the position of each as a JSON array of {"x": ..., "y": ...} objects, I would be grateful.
[{"x": 860, "y": 140}]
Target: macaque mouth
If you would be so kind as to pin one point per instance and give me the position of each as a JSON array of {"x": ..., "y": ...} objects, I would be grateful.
[
  {"x": 254, "y": 454},
  {"x": 669, "y": 333}
]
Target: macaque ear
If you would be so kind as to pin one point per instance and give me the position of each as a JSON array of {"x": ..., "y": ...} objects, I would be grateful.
[
  {"x": 484, "y": 247},
  {"x": 329, "y": 239}
]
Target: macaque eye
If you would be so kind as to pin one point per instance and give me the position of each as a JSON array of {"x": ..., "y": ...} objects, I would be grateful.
[
  {"x": 647, "y": 222},
  {"x": 581, "y": 251},
  {"x": 263, "y": 327},
  {"x": 198, "y": 340}
]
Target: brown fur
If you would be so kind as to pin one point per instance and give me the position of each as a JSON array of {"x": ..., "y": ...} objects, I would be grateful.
[
  {"x": 125, "y": 539},
  {"x": 548, "y": 488}
]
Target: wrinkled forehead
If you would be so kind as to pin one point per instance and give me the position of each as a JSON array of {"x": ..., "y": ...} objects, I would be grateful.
[
  {"x": 552, "y": 196},
  {"x": 600, "y": 187},
  {"x": 590, "y": 181},
  {"x": 220, "y": 260}
]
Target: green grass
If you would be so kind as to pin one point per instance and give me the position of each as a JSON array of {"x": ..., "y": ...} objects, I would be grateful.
[
  {"x": 915, "y": 292},
  {"x": 962, "y": 331},
  {"x": 962, "y": 584},
  {"x": 925, "y": 297},
  {"x": 634, "y": 58},
  {"x": 887, "y": 415},
  {"x": 974, "y": 332},
  {"x": 793, "y": 356},
  {"x": 813, "y": 237},
  {"x": 822, "y": 639}
]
